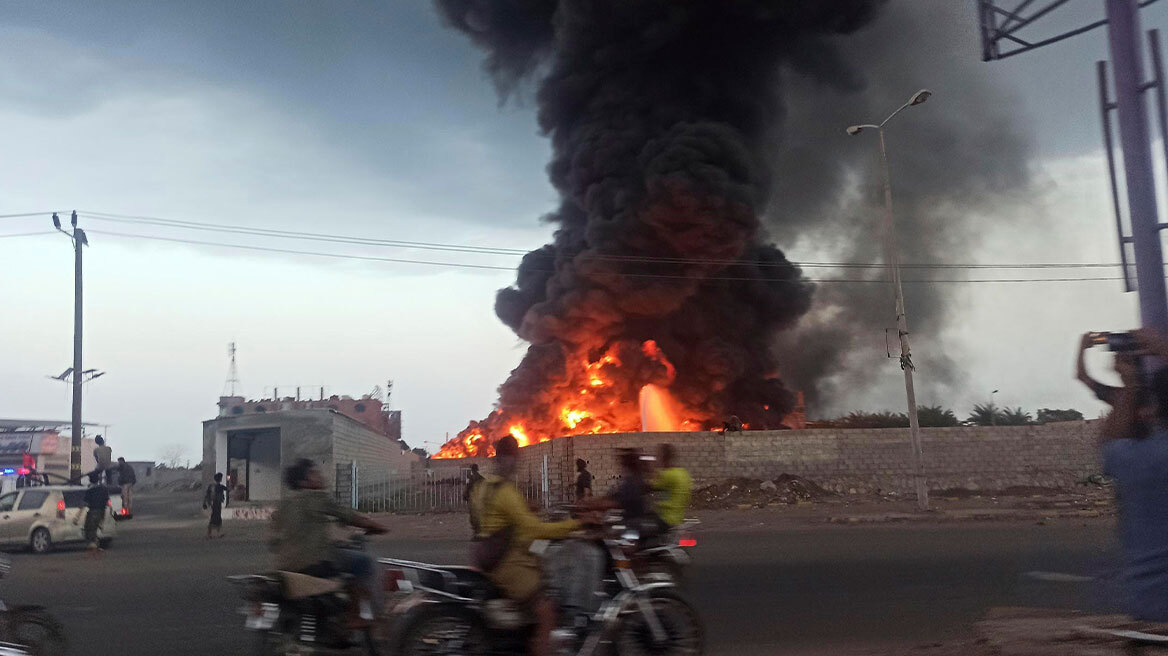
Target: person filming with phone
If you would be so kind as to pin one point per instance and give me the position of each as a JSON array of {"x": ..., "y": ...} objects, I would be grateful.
[{"x": 1134, "y": 444}]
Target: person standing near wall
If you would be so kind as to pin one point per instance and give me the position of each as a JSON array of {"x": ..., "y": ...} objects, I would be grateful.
[
  {"x": 583, "y": 480},
  {"x": 216, "y": 498},
  {"x": 472, "y": 480},
  {"x": 127, "y": 479}
]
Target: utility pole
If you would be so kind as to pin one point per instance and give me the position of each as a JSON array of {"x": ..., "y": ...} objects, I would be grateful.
[
  {"x": 893, "y": 261},
  {"x": 79, "y": 240},
  {"x": 1123, "y": 29}
]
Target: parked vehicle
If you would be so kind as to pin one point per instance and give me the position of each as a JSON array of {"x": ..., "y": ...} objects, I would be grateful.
[
  {"x": 29, "y": 630},
  {"x": 302, "y": 615},
  {"x": 444, "y": 610},
  {"x": 41, "y": 517}
]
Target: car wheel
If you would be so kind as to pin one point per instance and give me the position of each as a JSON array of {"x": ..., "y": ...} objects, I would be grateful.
[{"x": 41, "y": 542}]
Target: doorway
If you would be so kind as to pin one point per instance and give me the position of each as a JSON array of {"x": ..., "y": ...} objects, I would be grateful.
[{"x": 253, "y": 464}]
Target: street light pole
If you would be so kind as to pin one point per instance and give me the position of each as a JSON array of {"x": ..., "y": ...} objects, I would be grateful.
[
  {"x": 893, "y": 261},
  {"x": 79, "y": 240},
  {"x": 993, "y": 409}
]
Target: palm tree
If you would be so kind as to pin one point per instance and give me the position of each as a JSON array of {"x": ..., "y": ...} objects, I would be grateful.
[
  {"x": 1015, "y": 417},
  {"x": 984, "y": 414},
  {"x": 934, "y": 416},
  {"x": 886, "y": 419}
]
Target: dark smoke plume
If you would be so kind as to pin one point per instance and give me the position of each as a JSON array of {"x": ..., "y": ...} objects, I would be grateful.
[
  {"x": 956, "y": 162},
  {"x": 663, "y": 116}
]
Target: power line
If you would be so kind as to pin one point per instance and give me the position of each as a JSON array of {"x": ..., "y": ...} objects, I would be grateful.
[
  {"x": 463, "y": 265},
  {"x": 26, "y": 234},
  {"x": 490, "y": 250},
  {"x": 26, "y": 214}
]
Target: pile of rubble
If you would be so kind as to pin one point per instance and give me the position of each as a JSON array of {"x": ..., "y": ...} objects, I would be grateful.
[{"x": 753, "y": 493}]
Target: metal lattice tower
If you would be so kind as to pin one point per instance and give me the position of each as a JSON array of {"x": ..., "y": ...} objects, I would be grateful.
[
  {"x": 1002, "y": 23},
  {"x": 232, "y": 372}
]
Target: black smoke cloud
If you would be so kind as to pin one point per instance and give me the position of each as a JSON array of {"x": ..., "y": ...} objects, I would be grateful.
[
  {"x": 664, "y": 118},
  {"x": 958, "y": 163}
]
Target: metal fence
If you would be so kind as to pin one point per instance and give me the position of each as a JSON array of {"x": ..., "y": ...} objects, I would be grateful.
[{"x": 422, "y": 490}]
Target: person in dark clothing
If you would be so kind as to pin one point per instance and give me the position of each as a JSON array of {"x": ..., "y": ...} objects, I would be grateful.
[
  {"x": 583, "y": 480},
  {"x": 631, "y": 493},
  {"x": 216, "y": 498},
  {"x": 472, "y": 480},
  {"x": 127, "y": 478},
  {"x": 96, "y": 501}
]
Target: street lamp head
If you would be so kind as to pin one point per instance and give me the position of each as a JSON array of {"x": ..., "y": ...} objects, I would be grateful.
[
  {"x": 56, "y": 221},
  {"x": 854, "y": 130},
  {"x": 920, "y": 97},
  {"x": 73, "y": 219}
]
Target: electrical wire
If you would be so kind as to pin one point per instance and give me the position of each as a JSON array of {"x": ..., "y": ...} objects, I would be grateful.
[
  {"x": 26, "y": 214},
  {"x": 26, "y": 234},
  {"x": 464, "y": 265},
  {"x": 487, "y": 250}
]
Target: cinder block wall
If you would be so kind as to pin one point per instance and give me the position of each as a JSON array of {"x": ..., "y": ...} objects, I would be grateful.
[
  {"x": 985, "y": 458},
  {"x": 976, "y": 458}
]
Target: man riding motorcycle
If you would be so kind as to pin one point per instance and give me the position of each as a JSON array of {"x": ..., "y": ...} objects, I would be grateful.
[
  {"x": 676, "y": 485},
  {"x": 500, "y": 507},
  {"x": 302, "y": 539}
]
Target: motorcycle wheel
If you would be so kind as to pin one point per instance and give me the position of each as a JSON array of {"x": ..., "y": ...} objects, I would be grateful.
[
  {"x": 276, "y": 643},
  {"x": 37, "y": 631},
  {"x": 683, "y": 629},
  {"x": 444, "y": 632}
]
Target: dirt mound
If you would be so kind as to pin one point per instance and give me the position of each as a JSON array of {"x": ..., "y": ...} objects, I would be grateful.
[{"x": 748, "y": 492}]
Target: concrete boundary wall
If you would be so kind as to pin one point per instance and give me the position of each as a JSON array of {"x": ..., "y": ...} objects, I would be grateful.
[{"x": 864, "y": 460}]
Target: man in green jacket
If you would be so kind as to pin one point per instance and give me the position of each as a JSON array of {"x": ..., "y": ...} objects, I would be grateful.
[
  {"x": 676, "y": 485},
  {"x": 499, "y": 506}
]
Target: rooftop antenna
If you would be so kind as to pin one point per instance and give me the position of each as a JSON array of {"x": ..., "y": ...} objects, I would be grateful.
[{"x": 232, "y": 372}]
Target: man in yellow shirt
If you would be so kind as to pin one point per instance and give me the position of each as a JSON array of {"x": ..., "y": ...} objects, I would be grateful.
[
  {"x": 675, "y": 482},
  {"x": 499, "y": 506}
]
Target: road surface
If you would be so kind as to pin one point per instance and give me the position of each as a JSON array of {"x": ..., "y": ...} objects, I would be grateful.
[{"x": 160, "y": 589}]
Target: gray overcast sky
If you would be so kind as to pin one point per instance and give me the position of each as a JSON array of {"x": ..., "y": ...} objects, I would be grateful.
[{"x": 372, "y": 119}]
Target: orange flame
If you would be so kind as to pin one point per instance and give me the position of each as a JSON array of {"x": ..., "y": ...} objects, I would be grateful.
[
  {"x": 598, "y": 395},
  {"x": 595, "y": 369},
  {"x": 520, "y": 435}
]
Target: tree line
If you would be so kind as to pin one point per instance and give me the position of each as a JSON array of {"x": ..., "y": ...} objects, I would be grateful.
[{"x": 935, "y": 416}]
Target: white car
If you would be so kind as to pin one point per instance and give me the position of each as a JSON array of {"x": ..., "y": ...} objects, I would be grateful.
[{"x": 41, "y": 517}]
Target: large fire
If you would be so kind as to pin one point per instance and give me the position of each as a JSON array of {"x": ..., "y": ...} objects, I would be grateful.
[{"x": 600, "y": 394}]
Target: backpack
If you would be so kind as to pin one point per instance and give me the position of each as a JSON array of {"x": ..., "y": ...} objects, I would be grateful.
[{"x": 487, "y": 552}]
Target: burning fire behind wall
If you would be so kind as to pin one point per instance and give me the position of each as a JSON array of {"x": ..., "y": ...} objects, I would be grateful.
[
  {"x": 595, "y": 395},
  {"x": 662, "y": 117}
]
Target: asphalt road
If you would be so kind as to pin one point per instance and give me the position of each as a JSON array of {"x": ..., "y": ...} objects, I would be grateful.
[{"x": 161, "y": 588}]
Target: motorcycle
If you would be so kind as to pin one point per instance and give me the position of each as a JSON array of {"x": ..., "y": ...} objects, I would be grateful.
[
  {"x": 446, "y": 610},
  {"x": 297, "y": 614},
  {"x": 29, "y": 630},
  {"x": 667, "y": 556}
]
